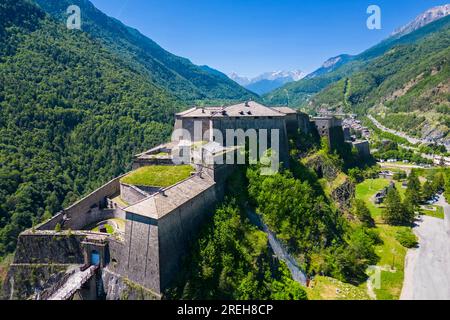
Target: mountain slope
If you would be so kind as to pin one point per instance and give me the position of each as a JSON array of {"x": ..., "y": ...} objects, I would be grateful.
[
  {"x": 72, "y": 114},
  {"x": 407, "y": 88},
  {"x": 330, "y": 65},
  {"x": 179, "y": 76},
  {"x": 302, "y": 91},
  {"x": 422, "y": 20}
]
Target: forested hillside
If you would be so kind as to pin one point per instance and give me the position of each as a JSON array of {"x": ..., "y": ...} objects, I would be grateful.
[
  {"x": 406, "y": 88},
  {"x": 301, "y": 92},
  {"x": 177, "y": 75},
  {"x": 72, "y": 114}
]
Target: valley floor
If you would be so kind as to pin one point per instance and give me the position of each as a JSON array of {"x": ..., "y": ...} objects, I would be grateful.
[{"x": 426, "y": 272}]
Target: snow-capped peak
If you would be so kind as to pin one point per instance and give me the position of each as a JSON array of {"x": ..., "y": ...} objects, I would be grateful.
[{"x": 423, "y": 19}]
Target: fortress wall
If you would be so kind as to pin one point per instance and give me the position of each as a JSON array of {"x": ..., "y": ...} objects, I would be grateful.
[
  {"x": 139, "y": 260},
  {"x": 188, "y": 124},
  {"x": 222, "y": 172},
  {"x": 118, "y": 287},
  {"x": 49, "y": 248},
  {"x": 51, "y": 224},
  {"x": 178, "y": 229},
  {"x": 257, "y": 124},
  {"x": 131, "y": 194},
  {"x": 292, "y": 123},
  {"x": 138, "y": 163},
  {"x": 119, "y": 213},
  {"x": 89, "y": 219},
  {"x": 87, "y": 210},
  {"x": 116, "y": 251},
  {"x": 363, "y": 148},
  {"x": 304, "y": 122}
]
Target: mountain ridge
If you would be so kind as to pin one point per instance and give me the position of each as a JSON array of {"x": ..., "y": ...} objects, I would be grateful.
[
  {"x": 175, "y": 74},
  {"x": 302, "y": 91},
  {"x": 406, "y": 88},
  {"x": 267, "y": 81},
  {"x": 423, "y": 19}
]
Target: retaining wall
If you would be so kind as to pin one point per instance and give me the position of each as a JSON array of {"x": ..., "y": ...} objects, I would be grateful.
[{"x": 87, "y": 210}]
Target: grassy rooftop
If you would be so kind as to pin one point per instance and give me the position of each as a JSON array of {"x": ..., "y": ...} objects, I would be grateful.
[{"x": 158, "y": 176}]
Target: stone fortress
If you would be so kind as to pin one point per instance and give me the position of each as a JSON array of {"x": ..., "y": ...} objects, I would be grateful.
[{"x": 127, "y": 240}]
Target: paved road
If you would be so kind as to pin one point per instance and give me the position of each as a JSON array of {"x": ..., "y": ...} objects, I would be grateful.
[
  {"x": 404, "y": 135},
  {"x": 427, "y": 270},
  {"x": 397, "y": 133}
]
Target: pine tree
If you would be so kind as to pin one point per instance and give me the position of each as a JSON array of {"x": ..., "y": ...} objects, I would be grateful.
[
  {"x": 414, "y": 191},
  {"x": 428, "y": 190},
  {"x": 396, "y": 212}
]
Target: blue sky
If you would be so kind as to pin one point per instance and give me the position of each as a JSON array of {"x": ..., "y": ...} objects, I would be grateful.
[{"x": 253, "y": 36}]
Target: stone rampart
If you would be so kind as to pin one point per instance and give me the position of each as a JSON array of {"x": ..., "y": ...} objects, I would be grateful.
[{"x": 87, "y": 210}]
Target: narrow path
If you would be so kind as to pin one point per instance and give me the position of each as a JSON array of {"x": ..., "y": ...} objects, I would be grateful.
[
  {"x": 73, "y": 284},
  {"x": 427, "y": 275}
]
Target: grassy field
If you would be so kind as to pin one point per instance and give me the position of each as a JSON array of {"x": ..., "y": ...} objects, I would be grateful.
[
  {"x": 392, "y": 260},
  {"x": 325, "y": 288},
  {"x": 438, "y": 213},
  {"x": 158, "y": 176},
  {"x": 391, "y": 252}
]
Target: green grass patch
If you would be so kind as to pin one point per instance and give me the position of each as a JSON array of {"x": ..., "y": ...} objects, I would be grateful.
[
  {"x": 109, "y": 229},
  {"x": 366, "y": 191},
  {"x": 438, "y": 213},
  {"x": 158, "y": 176},
  {"x": 161, "y": 154},
  {"x": 391, "y": 252},
  {"x": 325, "y": 288},
  {"x": 392, "y": 260}
]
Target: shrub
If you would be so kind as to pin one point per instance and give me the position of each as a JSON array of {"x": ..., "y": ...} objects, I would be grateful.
[
  {"x": 363, "y": 213},
  {"x": 407, "y": 238}
]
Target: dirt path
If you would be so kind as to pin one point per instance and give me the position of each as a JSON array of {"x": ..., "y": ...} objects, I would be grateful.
[{"x": 427, "y": 275}]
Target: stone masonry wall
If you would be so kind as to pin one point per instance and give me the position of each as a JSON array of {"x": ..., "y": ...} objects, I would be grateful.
[
  {"x": 131, "y": 194},
  {"x": 177, "y": 230},
  {"x": 139, "y": 261},
  {"x": 258, "y": 124},
  {"x": 49, "y": 247},
  {"x": 86, "y": 211}
]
